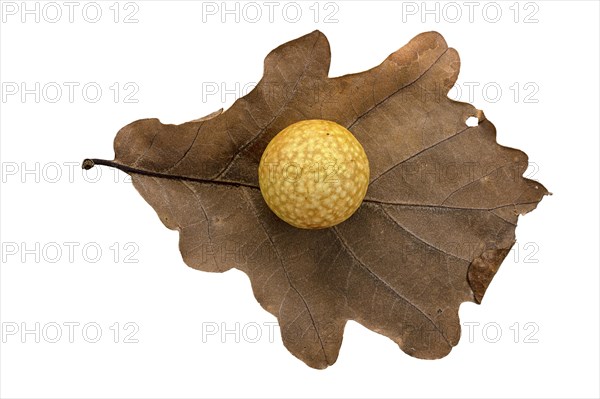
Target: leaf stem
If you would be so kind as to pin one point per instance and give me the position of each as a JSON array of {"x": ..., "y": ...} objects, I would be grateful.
[{"x": 89, "y": 163}]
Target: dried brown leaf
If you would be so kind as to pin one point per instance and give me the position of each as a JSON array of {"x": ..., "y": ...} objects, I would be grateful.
[{"x": 438, "y": 219}]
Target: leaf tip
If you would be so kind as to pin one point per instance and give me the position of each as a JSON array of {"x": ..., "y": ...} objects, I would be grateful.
[{"x": 435, "y": 39}]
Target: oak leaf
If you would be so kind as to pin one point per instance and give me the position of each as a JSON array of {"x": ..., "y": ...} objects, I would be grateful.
[{"x": 438, "y": 219}]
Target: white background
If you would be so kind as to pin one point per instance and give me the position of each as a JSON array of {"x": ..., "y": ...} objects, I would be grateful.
[{"x": 172, "y": 56}]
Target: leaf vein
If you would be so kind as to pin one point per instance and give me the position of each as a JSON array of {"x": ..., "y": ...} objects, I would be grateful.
[
  {"x": 282, "y": 264},
  {"x": 386, "y": 284}
]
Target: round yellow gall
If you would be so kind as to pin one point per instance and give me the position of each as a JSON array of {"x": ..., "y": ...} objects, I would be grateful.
[{"x": 314, "y": 174}]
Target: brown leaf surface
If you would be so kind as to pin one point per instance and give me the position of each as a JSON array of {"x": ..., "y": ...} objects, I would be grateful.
[{"x": 438, "y": 219}]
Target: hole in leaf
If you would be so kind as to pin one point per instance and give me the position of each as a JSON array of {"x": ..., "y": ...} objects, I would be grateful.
[{"x": 472, "y": 121}]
